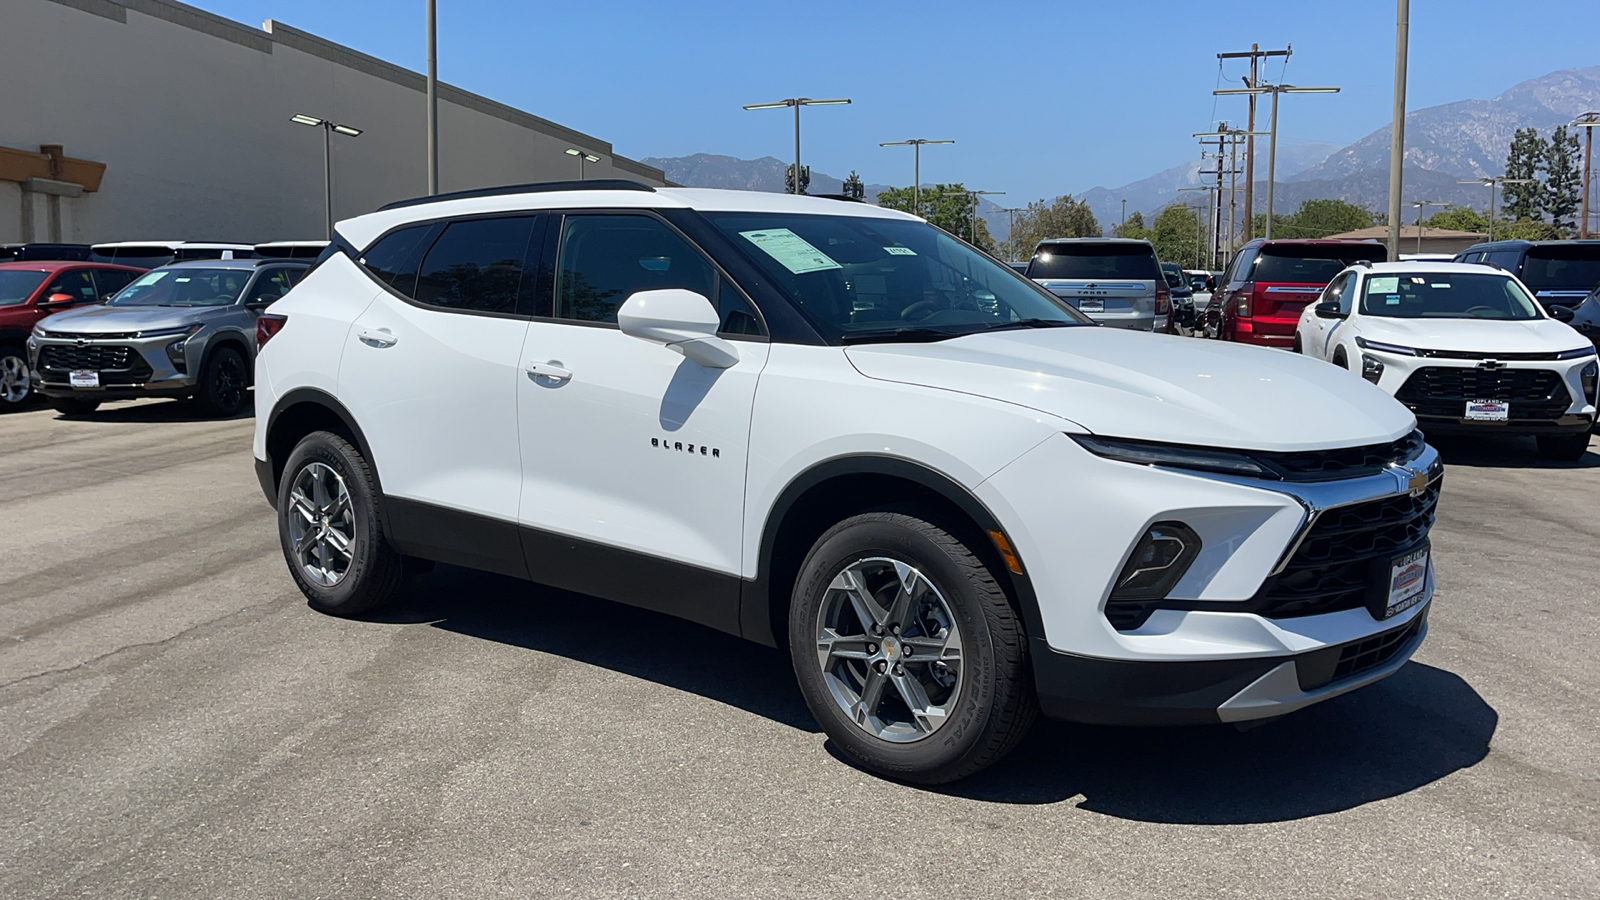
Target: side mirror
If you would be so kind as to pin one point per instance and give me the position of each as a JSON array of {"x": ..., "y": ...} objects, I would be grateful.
[
  {"x": 1328, "y": 309},
  {"x": 55, "y": 300},
  {"x": 680, "y": 319},
  {"x": 1562, "y": 313}
]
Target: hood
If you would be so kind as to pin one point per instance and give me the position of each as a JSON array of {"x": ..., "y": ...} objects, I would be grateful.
[
  {"x": 1154, "y": 387},
  {"x": 119, "y": 320},
  {"x": 1474, "y": 335}
]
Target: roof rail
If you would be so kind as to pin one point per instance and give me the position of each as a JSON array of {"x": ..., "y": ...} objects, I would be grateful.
[
  {"x": 845, "y": 197},
  {"x": 1363, "y": 263},
  {"x": 595, "y": 184}
]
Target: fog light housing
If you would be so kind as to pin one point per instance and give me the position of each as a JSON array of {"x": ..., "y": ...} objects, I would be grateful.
[
  {"x": 1589, "y": 377},
  {"x": 1157, "y": 562},
  {"x": 176, "y": 355},
  {"x": 1371, "y": 368}
]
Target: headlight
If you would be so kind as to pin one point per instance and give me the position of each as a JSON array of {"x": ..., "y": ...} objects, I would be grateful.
[
  {"x": 183, "y": 330},
  {"x": 1588, "y": 375},
  {"x": 1579, "y": 353},
  {"x": 38, "y": 330},
  {"x": 1396, "y": 349},
  {"x": 1152, "y": 454},
  {"x": 1371, "y": 368}
]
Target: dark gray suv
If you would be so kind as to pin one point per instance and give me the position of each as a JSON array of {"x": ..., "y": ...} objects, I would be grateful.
[{"x": 186, "y": 330}]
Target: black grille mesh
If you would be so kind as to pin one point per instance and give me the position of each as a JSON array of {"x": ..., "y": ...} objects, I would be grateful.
[{"x": 1443, "y": 392}]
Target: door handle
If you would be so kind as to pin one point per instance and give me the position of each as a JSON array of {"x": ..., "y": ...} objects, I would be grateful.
[
  {"x": 382, "y": 337},
  {"x": 552, "y": 370}
]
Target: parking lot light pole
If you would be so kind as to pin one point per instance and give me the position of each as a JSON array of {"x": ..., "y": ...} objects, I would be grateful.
[
  {"x": 916, "y": 168},
  {"x": 433, "y": 98},
  {"x": 1493, "y": 182},
  {"x": 1588, "y": 122},
  {"x": 973, "y": 224},
  {"x": 583, "y": 157},
  {"x": 328, "y": 128},
  {"x": 1011, "y": 229},
  {"x": 1199, "y": 226},
  {"x": 1420, "y": 205},
  {"x": 796, "y": 102},
  {"x": 1272, "y": 144}
]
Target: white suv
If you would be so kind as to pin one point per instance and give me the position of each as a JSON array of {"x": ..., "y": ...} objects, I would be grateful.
[{"x": 835, "y": 428}]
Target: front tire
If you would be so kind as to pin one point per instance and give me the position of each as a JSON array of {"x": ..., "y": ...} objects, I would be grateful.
[
  {"x": 907, "y": 650},
  {"x": 1563, "y": 447},
  {"x": 329, "y": 529},
  {"x": 223, "y": 381},
  {"x": 16, "y": 382}
]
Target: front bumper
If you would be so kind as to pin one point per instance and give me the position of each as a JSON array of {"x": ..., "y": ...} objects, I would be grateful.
[
  {"x": 1545, "y": 396},
  {"x": 128, "y": 366}
]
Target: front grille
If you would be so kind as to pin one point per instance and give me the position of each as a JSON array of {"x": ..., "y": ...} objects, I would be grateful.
[
  {"x": 1503, "y": 357},
  {"x": 1443, "y": 392},
  {"x": 1323, "y": 667},
  {"x": 92, "y": 335},
  {"x": 1346, "y": 462},
  {"x": 1333, "y": 568},
  {"x": 117, "y": 365}
]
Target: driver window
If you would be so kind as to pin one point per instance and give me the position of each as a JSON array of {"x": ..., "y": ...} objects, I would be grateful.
[
  {"x": 269, "y": 287},
  {"x": 604, "y": 260},
  {"x": 77, "y": 284},
  {"x": 1337, "y": 291}
]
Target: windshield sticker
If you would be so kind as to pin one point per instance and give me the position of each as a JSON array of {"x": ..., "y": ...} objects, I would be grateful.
[
  {"x": 900, "y": 251},
  {"x": 791, "y": 250},
  {"x": 1439, "y": 285},
  {"x": 181, "y": 280},
  {"x": 1384, "y": 285}
]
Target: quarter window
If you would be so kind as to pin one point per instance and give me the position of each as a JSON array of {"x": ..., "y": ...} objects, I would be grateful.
[
  {"x": 393, "y": 260},
  {"x": 604, "y": 260},
  {"x": 476, "y": 265},
  {"x": 270, "y": 286}
]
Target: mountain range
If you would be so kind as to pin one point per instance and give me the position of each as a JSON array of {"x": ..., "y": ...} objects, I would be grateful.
[{"x": 1444, "y": 144}]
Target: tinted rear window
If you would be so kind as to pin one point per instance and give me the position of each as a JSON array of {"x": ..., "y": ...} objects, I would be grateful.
[
  {"x": 1572, "y": 267},
  {"x": 1310, "y": 265},
  {"x": 1106, "y": 262},
  {"x": 138, "y": 257}
]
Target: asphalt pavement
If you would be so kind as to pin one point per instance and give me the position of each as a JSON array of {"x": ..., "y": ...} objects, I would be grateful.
[{"x": 175, "y": 722}]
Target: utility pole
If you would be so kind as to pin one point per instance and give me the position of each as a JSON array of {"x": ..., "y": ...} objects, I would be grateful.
[
  {"x": 1011, "y": 230},
  {"x": 1255, "y": 55},
  {"x": 1272, "y": 147},
  {"x": 1199, "y": 225},
  {"x": 916, "y": 168},
  {"x": 433, "y": 98},
  {"x": 1397, "y": 132},
  {"x": 1588, "y": 122},
  {"x": 1123, "y": 224},
  {"x": 1232, "y": 136}
]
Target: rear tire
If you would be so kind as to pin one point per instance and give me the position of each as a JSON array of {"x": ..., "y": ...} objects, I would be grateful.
[
  {"x": 1563, "y": 447},
  {"x": 223, "y": 383},
  {"x": 329, "y": 530},
  {"x": 16, "y": 382},
  {"x": 71, "y": 406},
  {"x": 937, "y": 686}
]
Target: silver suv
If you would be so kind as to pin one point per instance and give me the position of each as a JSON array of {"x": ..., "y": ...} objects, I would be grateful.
[
  {"x": 186, "y": 330},
  {"x": 1113, "y": 281}
]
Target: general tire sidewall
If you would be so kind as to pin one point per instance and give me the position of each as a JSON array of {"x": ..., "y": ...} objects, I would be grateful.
[
  {"x": 338, "y": 455},
  {"x": 976, "y": 704}
]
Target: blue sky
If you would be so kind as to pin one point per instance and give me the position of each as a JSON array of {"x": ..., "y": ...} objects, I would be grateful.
[{"x": 1041, "y": 98}]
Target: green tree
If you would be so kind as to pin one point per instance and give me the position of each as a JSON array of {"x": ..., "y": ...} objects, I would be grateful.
[
  {"x": 1526, "y": 158},
  {"x": 1459, "y": 218},
  {"x": 1320, "y": 218},
  {"x": 1132, "y": 227},
  {"x": 1062, "y": 217},
  {"x": 853, "y": 186},
  {"x": 1176, "y": 234},
  {"x": 1562, "y": 180},
  {"x": 949, "y": 206}
]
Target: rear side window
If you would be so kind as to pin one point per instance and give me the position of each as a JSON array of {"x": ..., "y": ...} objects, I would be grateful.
[
  {"x": 604, "y": 260},
  {"x": 1291, "y": 264},
  {"x": 1096, "y": 260},
  {"x": 476, "y": 265},
  {"x": 1573, "y": 266},
  {"x": 1504, "y": 259},
  {"x": 394, "y": 259}
]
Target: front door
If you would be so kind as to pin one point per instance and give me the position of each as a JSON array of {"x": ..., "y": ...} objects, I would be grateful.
[
  {"x": 633, "y": 456},
  {"x": 1322, "y": 333}
]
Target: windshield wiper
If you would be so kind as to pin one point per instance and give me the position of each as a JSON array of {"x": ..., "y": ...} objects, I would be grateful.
[
  {"x": 893, "y": 335},
  {"x": 1035, "y": 323}
]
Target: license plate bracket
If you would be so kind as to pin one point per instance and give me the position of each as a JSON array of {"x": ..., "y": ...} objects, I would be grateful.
[
  {"x": 1487, "y": 411},
  {"x": 83, "y": 378},
  {"x": 1400, "y": 582},
  {"x": 1091, "y": 304}
]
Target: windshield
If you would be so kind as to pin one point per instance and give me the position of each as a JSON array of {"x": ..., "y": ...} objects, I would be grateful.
[
  {"x": 1448, "y": 295},
  {"x": 1311, "y": 264},
  {"x": 184, "y": 287},
  {"x": 858, "y": 278},
  {"x": 1574, "y": 267},
  {"x": 1098, "y": 260},
  {"x": 17, "y": 286}
]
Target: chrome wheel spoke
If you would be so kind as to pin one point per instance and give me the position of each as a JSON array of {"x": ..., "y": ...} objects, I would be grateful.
[
  {"x": 337, "y": 540},
  {"x": 867, "y": 610},
  {"x": 321, "y": 524},
  {"x": 924, "y": 714},
  {"x": 302, "y": 505},
  {"x": 933, "y": 649},
  {"x": 871, "y": 695},
  {"x": 833, "y": 646}
]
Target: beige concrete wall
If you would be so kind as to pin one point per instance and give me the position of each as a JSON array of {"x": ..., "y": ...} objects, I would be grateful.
[{"x": 190, "y": 112}]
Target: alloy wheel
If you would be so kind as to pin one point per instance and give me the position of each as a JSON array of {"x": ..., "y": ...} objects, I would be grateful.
[
  {"x": 890, "y": 649},
  {"x": 230, "y": 383},
  {"x": 15, "y": 381},
  {"x": 321, "y": 524}
]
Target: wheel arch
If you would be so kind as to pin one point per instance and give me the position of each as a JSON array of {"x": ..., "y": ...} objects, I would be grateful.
[
  {"x": 302, "y": 411},
  {"x": 237, "y": 341},
  {"x": 833, "y": 490}
]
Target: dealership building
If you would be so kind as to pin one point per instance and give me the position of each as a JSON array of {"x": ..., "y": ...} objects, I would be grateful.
[{"x": 153, "y": 120}]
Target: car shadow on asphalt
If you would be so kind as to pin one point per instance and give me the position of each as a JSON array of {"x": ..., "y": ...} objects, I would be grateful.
[
  {"x": 1412, "y": 729},
  {"x": 154, "y": 412},
  {"x": 1396, "y": 736},
  {"x": 1494, "y": 451}
]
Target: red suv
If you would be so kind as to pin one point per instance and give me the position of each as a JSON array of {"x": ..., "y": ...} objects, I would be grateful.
[
  {"x": 1270, "y": 282},
  {"x": 29, "y": 291}
]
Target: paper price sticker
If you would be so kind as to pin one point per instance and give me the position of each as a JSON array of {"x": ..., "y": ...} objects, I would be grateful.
[{"x": 791, "y": 250}]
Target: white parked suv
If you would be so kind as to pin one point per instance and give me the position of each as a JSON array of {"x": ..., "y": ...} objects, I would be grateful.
[
  {"x": 832, "y": 427},
  {"x": 1465, "y": 347}
]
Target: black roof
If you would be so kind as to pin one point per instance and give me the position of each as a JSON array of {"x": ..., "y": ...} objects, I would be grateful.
[{"x": 595, "y": 184}]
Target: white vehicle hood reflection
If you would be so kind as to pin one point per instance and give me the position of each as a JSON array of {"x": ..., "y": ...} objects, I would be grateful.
[
  {"x": 1473, "y": 335},
  {"x": 1153, "y": 387}
]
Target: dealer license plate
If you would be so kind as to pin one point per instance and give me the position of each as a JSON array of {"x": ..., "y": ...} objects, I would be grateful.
[
  {"x": 1488, "y": 410},
  {"x": 1091, "y": 304},
  {"x": 1408, "y": 578},
  {"x": 83, "y": 378}
]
